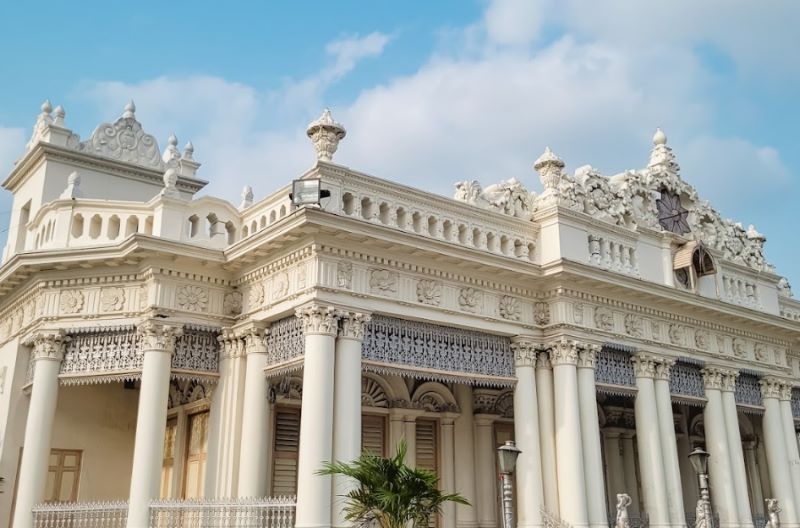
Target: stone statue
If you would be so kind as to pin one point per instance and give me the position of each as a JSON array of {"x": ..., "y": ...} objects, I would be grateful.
[
  {"x": 623, "y": 501},
  {"x": 773, "y": 520},
  {"x": 784, "y": 288}
]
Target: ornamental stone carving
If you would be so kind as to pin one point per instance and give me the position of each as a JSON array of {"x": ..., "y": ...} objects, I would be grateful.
[
  {"x": 543, "y": 360},
  {"x": 344, "y": 274},
  {"x": 144, "y": 296},
  {"x": 383, "y": 281},
  {"x": 563, "y": 352},
  {"x": 509, "y": 308},
  {"x": 280, "y": 285},
  {"x": 729, "y": 380},
  {"x": 664, "y": 369},
  {"x": 701, "y": 339},
  {"x": 71, "y": 301},
  {"x": 232, "y": 303},
  {"x": 232, "y": 343},
  {"x": 429, "y": 292},
  {"x": 761, "y": 352},
  {"x": 739, "y": 347},
  {"x": 469, "y": 299},
  {"x": 623, "y": 501},
  {"x": 772, "y": 513},
  {"x": 587, "y": 358},
  {"x": 715, "y": 378},
  {"x": 770, "y": 387},
  {"x": 158, "y": 336},
  {"x": 603, "y": 318},
  {"x": 541, "y": 313},
  {"x": 525, "y": 350},
  {"x": 508, "y": 197},
  {"x": 676, "y": 334},
  {"x": 256, "y": 296},
  {"x": 577, "y": 313},
  {"x": 192, "y": 298},
  {"x": 634, "y": 325},
  {"x": 112, "y": 299},
  {"x": 785, "y": 392},
  {"x": 48, "y": 345},
  {"x": 644, "y": 365},
  {"x": 353, "y": 324},
  {"x": 325, "y": 134},
  {"x": 319, "y": 319},
  {"x": 655, "y": 330},
  {"x": 255, "y": 339}
]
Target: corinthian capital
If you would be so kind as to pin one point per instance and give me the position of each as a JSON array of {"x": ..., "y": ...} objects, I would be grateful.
[
  {"x": 664, "y": 369},
  {"x": 729, "y": 379},
  {"x": 587, "y": 357},
  {"x": 48, "y": 345},
  {"x": 158, "y": 336},
  {"x": 644, "y": 365},
  {"x": 353, "y": 325},
  {"x": 564, "y": 352},
  {"x": 525, "y": 350},
  {"x": 786, "y": 392},
  {"x": 319, "y": 319},
  {"x": 253, "y": 338},
  {"x": 714, "y": 378},
  {"x": 770, "y": 387}
]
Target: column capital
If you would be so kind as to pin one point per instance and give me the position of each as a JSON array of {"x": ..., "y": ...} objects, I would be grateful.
[
  {"x": 319, "y": 319},
  {"x": 664, "y": 368},
  {"x": 644, "y": 365},
  {"x": 786, "y": 392},
  {"x": 587, "y": 357},
  {"x": 48, "y": 345},
  {"x": 231, "y": 343},
  {"x": 718, "y": 378},
  {"x": 563, "y": 352},
  {"x": 525, "y": 350},
  {"x": 252, "y": 337},
  {"x": 543, "y": 360},
  {"x": 770, "y": 387},
  {"x": 353, "y": 324},
  {"x": 158, "y": 336}
]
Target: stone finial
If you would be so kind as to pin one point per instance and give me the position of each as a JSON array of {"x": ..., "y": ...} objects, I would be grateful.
[
  {"x": 73, "y": 189},
  {"x": 171, "y": 183},
  {"x": 188, "y": 151},
  {"x": 171, "y": 152},
  {"x": 325, "y": 133},
  {"x": 43, "y": 120},
  {"x": 247, "y": 197},
  {"x": 549, "y": 167},
  {"x": 753, "y": 234},
  {"x": 59, "y": 115},
  {"x": 130, "y": 110},
  {"x": 661, "y": 156}
]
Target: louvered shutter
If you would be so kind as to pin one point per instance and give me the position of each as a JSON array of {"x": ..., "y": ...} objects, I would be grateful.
[
  {"x": 373, "y": 434},
  {"x": 287, "y": 443},
  {"x": 427, "y": 445}
]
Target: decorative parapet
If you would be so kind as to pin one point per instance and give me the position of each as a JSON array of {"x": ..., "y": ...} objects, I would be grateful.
[{"x": 612, "y": 253}]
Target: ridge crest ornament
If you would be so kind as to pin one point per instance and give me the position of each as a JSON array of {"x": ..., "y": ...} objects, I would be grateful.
[{"x": 672, "y": 215}]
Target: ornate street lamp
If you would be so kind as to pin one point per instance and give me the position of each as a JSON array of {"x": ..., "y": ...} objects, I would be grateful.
[
  {"x": 507, "y": 460},
  {"x": 699, "y": 460}
]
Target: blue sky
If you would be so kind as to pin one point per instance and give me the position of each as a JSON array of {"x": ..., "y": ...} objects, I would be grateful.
[{"x": 432, "y": 92}]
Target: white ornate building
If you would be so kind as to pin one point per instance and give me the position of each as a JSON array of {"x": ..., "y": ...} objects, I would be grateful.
[{"x": 159, "y": 348}]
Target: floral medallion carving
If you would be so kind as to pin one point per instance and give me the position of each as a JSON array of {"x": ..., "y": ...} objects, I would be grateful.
[
  {"x": 192, "y": 298},
  {"x": 541, "y": 313},
  {"x": 344, "y": 275},
  {"x": 280, "y": 285},
  {"x": 232, "y": 304},
  {"x": 577, "y": 313},
  {"x": 676, "y": 334},
  {"x": 469, "y": 299},
  {"x": 509, "y": 308},
  {"x": 71, "y": 301},
  {"x": 739, "y": 347},
  {"x": 112, "y": 299},
  {"x": 701, "y": 339},
  {"x": 429, "y": 292},
  {"x": 761, "y": 352},
  {"x": 256, "y": 296},
  {"x": 383, "y": 281},
  {"x": 603, "y": 318},
  {"x": 634, "y": 325}
]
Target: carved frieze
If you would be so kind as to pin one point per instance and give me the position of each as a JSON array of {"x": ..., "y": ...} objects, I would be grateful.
[
  {"x": 541, "y": 313},
  {"x": 71, "y": 301},
  {"x": 344, "y": 274},
  {"x": 383, "y": 281},
  {"x": 634, "y": 325},
  {"x": 429, "y": 292},
  {"x": 112, "y": 299},
  {"x": 192, "y": 298},
  {"x": 509, "y": 308},
  {"x": 603, "y": 318},
  {"x": 469, "y": 299},
  {"x": 232, "y": 303}
]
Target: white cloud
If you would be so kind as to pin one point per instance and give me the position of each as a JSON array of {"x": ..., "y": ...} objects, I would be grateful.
[{"x": 514, "y": 22}]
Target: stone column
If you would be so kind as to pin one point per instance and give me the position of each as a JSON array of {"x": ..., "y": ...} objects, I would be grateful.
[
  {"x": 590, "y": 438},
  {"x": 466, "y": 516},
  {"x": 410, "y": 435},
  {"x": 530, "y": 496},
  {"x": 723, "y": 493},
  {"x": 158, "y": 344},
  {"x": 629, "y": 463},
  {"x": 735, "y": 449},
  {"x": 486, "y": 502},
  {"x": 777, "y": 451},
  {"x": 688, "y": 477},
  {"x": 791, "y": 440},
  {"x": 615, "y": 478},
  {"x": 46, "y": 354},
  {"x": 448, "y": 476},
  {"x": 320, "y": 326},
  {"x": 648, "y": 439},
  {"x": 256, "y": 417},
  {"x": 753, "y": 477},
  {"x": 569, "y": 452},
  {"x": 669, "y": 446},
  {"x": 547, "y": 431},
  {"x": 347, "y": 405}
]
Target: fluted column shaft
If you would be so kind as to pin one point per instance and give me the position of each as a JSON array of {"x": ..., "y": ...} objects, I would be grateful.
[
  {"x": 485, "y": 469},
  {"x": 590, "y": 438},
  {"x": 723, "y": 493},
  {"x": 791, "y": 440},
  {"x": 46, "y": 355},
  {"x": 158, "y": 345},
  {"x": 320, "y": 326},
  {"x": 735, "y": 448},
  {"x": 256, "y": 417},
  {"x": 569, "y": 448},
  {"x": 466, "y": 516},
  {"x": 547, "y": 431},
  {"x": 347, "y": 406},
  {"x": 448, "y": 476},
  {"x": 669, "y": 445},
  {"x": 648, "y": 438},
  {"x": 777, "y": 451},
  {"x": 526, "y": 432}
]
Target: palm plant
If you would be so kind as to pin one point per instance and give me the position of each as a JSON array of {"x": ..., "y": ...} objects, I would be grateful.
[{"x": 389, "y": 493}]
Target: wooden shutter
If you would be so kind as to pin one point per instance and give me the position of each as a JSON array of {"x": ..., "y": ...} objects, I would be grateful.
[
  {"x": 373, "y": 434},
  {"x": 168, "y": 463},
  {"x": 63, "y": 475},
  {"x": 287, "y": 443},
  {"x": 427, "y": 445},
  {"x": 196, "y": 454}
]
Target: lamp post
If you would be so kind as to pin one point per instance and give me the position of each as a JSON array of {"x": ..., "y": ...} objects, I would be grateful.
[
  {"x": 699, "y": 460},
  {"x": 507, "y": 460}
]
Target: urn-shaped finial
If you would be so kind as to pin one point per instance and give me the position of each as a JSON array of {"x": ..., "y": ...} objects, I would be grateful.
[
  {"x": 325, "y": 133},
  {"x": 549, "y": 168},
  {"x": 130, "y": 110},
  {"x": 662, "y": 156}
]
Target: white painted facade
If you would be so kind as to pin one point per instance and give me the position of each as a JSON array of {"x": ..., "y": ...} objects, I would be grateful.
[{"x": 158, "y": 347}]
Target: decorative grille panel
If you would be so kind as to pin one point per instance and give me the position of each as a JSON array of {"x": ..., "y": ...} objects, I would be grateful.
[
  {"x": 747, "y": 391},
  {"x": 614, "y": 367},
  {"x": 197, "y": 350},
  {"x": 686, "y": 380},
  {"x": 110, "y": 352},
  {"x": 285, "y": 341},
  {"x": 796, "y": 403}
]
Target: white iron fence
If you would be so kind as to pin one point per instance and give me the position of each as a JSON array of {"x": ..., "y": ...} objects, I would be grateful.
[
  {"x": 223, "y": 513},
  {"x": 80, "y": 514}
]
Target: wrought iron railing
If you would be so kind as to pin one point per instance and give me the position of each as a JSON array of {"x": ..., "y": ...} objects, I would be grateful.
[
  {"x": 223, "y": 513},
  {"x": 634, "y": 521},
  {"x": 80, "y": 514},
  {"x": 691, "y": 520}
]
